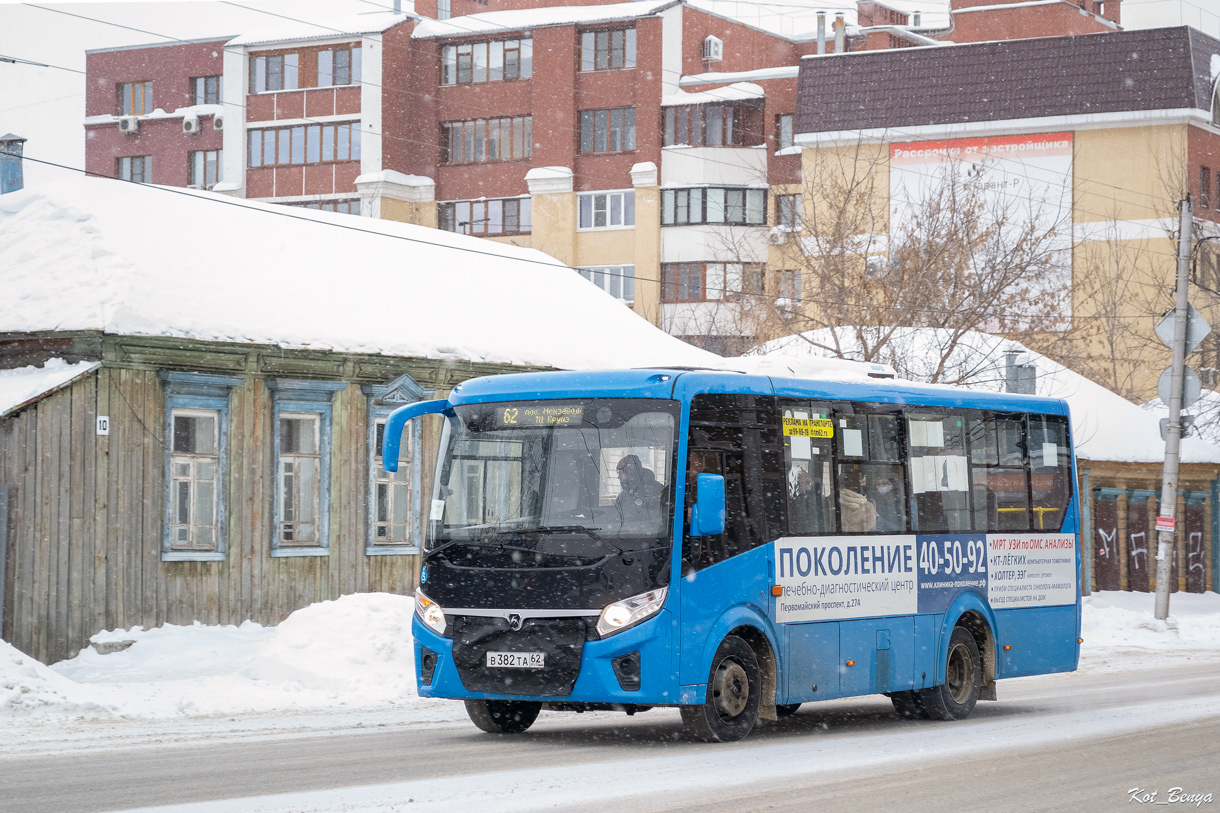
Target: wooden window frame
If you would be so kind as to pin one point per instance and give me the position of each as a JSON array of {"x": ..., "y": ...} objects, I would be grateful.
[
  {"x": 197, "y": 392},
  {"x": 292, "y": 397},
  {"x": 598, "y": 128},
  {"x": 207, "y": 84},
  {"x": 476, "y": 144},
  {"x": 382, "y": 400},
  {"x": 449, "y": 212},
  {"x": 191, "y": 161},
  {"x": 326, "y": 137},
  {"x": 607, "y": 49},
  {"x": 459, "y": 62},
  {"x": 126, "y": 96}
]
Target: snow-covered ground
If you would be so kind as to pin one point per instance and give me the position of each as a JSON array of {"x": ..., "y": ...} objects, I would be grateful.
[{"x": 354, "y": 655}]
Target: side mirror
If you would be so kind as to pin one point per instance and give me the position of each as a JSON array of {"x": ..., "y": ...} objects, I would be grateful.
[
  {"x": 391, "y": 440},
  {"x": 707, "y": 518}
]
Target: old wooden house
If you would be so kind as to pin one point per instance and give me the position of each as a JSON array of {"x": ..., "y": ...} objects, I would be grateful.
[{"x": 191, "y": 434}]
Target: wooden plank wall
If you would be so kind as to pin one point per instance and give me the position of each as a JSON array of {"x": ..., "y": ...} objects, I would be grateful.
[{"x": 86, "y": 518}]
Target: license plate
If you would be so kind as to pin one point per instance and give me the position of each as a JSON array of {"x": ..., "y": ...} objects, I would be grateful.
[{"x": 516, "y": 660}]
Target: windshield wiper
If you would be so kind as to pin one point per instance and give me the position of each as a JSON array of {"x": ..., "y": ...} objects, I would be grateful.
[{"x": 592, "y": 533}]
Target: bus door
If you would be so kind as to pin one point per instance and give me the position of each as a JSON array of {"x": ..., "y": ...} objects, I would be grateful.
[{"x": 737, "y": 437}]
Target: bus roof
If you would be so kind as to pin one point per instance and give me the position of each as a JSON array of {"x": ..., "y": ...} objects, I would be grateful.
[{"x": 682, "y": 383}]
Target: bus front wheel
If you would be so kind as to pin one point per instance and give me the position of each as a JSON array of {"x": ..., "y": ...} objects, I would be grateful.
[
  {"x": 955, "y": 698},
  {"x": 733, "y": 690},
  {"x": 503, "y": 716}
]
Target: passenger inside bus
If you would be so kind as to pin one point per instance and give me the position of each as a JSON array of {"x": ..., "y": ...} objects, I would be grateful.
[
  {"x": 857, "y": 512},
  {"x": 640, "y": 497}
]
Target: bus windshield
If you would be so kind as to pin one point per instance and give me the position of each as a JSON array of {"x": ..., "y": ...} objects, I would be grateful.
[{"x": 564, "y": 480}]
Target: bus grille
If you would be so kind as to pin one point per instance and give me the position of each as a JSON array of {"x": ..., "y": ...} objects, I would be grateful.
[{"x": 562, "y": 640}]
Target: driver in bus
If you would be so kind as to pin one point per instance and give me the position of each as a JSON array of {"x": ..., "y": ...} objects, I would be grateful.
[{"x": 640, "y": 497}]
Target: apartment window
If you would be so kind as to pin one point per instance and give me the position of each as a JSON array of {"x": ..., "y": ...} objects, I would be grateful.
[
  {"x": 607, "y": 210},
  {"x": 486, "y": 217},
  {"x": 302, "y": 444},
  {"x": 1205, "y": 187},
  {"x": 706, "y": 125},
  {"x": 339, "y": 66},
  {"x": 609, "y": 130},
  {"x": 788, "y": 284},
  {"x": 135, "y": 98},
  {"x": 444, "y": 9},
  {"x": 480, "y": 140},
  {"x": 783, "y": 131},
  {"x": 196, "y": 459},
  {"x": 607, "y": 50},
  {"x": 205, "y": 167},
  {"x": 136, "y": 168},
  {"x": 734, "y": 206},
  {"x": 494, "y": 61},
  {"x": 205, "y": 90},
  {"x": 616, "y": 280},
  {"x": 788, "y": 212},
  {"x": 279, "y": 72},
  {"x": 350, "y": 206},
  {"x": 305, "y": 144},
  {"x": 697, "y": 282}
]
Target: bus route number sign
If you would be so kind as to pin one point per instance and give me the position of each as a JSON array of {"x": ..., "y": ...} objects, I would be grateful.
[
  {"x": 539, "y": 415},
  {"x": 809, "y": 427}
]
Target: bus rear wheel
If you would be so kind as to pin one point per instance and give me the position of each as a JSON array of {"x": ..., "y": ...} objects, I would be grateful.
[
  {"x": 503, "y": 716},
  {"x": 733, "y": 690},
  {"x": 955, "y": 698}
]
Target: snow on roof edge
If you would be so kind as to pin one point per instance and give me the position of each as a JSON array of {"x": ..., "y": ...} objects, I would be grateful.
[{"x": 53, "y": 377}]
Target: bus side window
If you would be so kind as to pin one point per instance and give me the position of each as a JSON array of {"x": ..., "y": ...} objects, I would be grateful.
[
  {"x": 872, "y": 485},
  {"x": 740, "y": 433},
  {"x": 807, "y": 466},
  {"x": 998, "y": 473},
  {"x": 1051, "y": 470},
  {"x": 939, "y": 470}
]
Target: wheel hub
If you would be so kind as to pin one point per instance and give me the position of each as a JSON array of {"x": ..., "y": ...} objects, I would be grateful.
[
  {"x": 959, "y": 676},
  {"x": 730, "y": 689}
]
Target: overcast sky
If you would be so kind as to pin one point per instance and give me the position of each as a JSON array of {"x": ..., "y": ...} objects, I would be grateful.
[{"x": 46, "y": 105}]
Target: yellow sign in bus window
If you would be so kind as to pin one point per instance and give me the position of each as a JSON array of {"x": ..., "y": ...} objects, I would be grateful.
[
  {"x": 809, "y": 427},
  {"x": 540, "y": 415}
]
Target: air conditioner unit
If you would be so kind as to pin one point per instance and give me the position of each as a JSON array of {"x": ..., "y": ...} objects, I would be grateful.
[
  {"x": 777, "y": 236},
  {"x": 128, "y": 124},
  {"x": 713, "y": 49},
  {"x": 218, "y": 121},
  {"x": 190, "y": 124}
]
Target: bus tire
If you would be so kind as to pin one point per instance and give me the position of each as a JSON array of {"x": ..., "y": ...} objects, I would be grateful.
[
  {"x": 908, "y": 705},
  {"x": 733, "y": 692},
  {"x": 786, "y": 709},
  {"x": 503, "y": 716},
  {"x": 955, "y": 698}
]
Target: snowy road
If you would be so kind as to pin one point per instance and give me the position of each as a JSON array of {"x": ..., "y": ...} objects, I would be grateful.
[{"x": 1078, "y": 741}]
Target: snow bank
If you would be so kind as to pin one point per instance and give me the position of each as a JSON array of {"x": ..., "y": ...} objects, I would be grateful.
[
  {"x": 353, "y": 652},
  {"x": 25, "y": 384},
  {"x": 29, "y": 688},
  {"x": 1118, "y": 621}
]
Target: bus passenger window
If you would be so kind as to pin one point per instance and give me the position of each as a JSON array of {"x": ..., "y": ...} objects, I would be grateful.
[
  {"x": 807, "y": 461},
  {"x": 998, "y": 472},
  {"x": 940, "y": 479},
  {"x": 872, "y": 485},
  {"x": 1051, "y": 462}
]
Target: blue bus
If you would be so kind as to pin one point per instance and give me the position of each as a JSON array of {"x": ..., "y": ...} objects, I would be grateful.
[{"x": 736, "y": 545}]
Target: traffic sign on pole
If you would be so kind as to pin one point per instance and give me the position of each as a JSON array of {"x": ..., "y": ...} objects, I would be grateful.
[
  {"x": 1192, "y": 387},
  {"x": 1197, "y": 329}
]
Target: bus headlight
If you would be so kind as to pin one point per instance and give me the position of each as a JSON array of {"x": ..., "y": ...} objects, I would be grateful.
[
  {"x": 620, "y": 615},
  {"x": 429, "y": 612}
]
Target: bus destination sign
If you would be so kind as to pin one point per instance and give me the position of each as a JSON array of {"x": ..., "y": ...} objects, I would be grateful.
[
  {"x": 809, "y": 427},
  {"x": 540, "y": 415}
]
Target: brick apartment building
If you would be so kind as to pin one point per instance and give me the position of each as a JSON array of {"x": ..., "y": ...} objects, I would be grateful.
[{"x": 650, "y": 145}]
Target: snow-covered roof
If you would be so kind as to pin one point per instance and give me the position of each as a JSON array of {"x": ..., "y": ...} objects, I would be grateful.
[
  {"x": 756, "y": 75},
  {"x": 496, "y": 22},
  {"x": 730, "y": 93},
  {"x": 351, "y": 25},
  {"x": 98, "y": 254},
  {"x": 1106, "y": 426},
  {"x": 25, "y": 385}
]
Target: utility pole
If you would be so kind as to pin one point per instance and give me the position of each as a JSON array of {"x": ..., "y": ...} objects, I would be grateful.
[{"x": 1173, "y": 435}]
